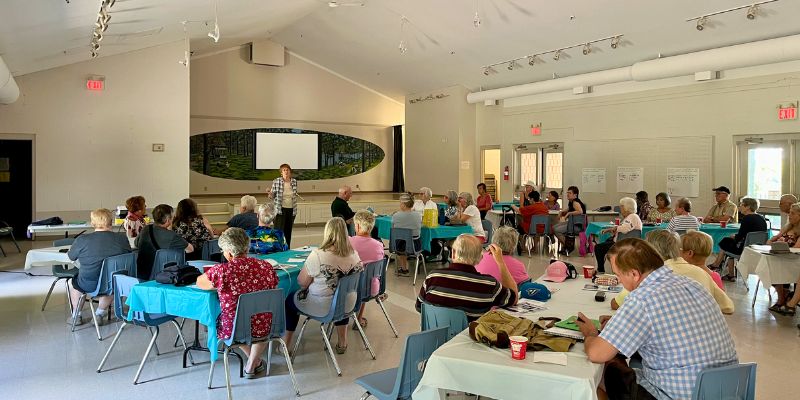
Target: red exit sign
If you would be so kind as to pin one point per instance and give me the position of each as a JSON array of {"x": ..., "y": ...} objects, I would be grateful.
[
  {"x": 95, "y": 84},
  {"x": 787, "y": 113},
  {"x": 536, "y": 130}
]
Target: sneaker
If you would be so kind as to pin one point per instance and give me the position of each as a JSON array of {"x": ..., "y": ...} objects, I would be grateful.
[{"x": 78, "y": 321}]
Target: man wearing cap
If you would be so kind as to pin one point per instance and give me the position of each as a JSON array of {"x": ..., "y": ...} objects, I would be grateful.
[
  {"x": 462, "y": 287},
  {"x": 725, "y": 210}
]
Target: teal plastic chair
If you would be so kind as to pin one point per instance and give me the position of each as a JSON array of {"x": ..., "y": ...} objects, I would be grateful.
[
  {"x": 636, "y": 234},
  {"x": 758, "y": 237},
  {"x": 61, "y": 271},
  {"x": 734, "y": 382},
  {"x": 533, "y": 232},
  {"x": 164, "y": 257},
  {"x": 250, "y": 304},
  {"x": 375, "y": 269},
  {"x": 403, "y": 234},
  {"x": 123, "y": 263},
  {"x": 211, "y": 251},
  {"x": 434, "y": 317},
  {"x": 400, "y": 382},
  {"x": 123, "y": 284}
]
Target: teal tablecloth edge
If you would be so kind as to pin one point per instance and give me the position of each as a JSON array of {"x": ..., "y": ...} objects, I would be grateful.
[
  {"x": 384, "y": 224},
  {"x": 717, "y": 233}
]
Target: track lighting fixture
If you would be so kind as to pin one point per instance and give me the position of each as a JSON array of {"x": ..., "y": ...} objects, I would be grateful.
[
  {"x": 751, "y": 13},
  {"x": 476, "y": 20},
  {"x": 402, "y": 45},
  {"x": 532, "y": 61},
  {"x": 587, "y": 49},
  {"x": 557, "y": 55},
  {"x": 510, "y": 66},
  {"x": 214, "y": 35},
  {"x": 701, "y": 23},
  {"x": 615, "y": 42},
  {"x": 98, "y": 36},
  {"x": 100, "y": 25},
  {"x": 486, "y": 71}
]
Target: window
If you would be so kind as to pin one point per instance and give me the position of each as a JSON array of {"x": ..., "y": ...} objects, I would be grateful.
[
  {"x": 540, "y": 163},
  {"x": 765, "y": 173}
]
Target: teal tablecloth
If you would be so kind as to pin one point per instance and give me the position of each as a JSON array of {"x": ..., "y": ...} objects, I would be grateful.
[
  {"x": 203, "y": 305},
  {"x": 497, "y": 205},
  {"x": 716, "y": 232},
  {"x": 384, "y": 225}
]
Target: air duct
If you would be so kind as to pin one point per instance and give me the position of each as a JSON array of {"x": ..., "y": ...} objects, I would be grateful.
[
  {"x": 730, "y": 57},
  {"x": 9, "y": 91}
]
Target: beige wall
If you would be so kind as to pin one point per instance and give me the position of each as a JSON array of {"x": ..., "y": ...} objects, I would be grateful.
[
  {"x": 230, "y": 93},
  {"x": 93, "y": 149}
]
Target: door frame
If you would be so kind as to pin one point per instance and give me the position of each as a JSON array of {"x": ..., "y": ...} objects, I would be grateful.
[
  {"x": 32, "y": 138},
  {"x": 541, "y": 148}
]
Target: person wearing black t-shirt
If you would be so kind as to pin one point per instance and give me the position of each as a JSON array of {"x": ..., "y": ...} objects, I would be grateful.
[
  {"x": 749, "y": 222},
  {"x": 340, "y": 208},
  {"x": 574, "y": 207}
]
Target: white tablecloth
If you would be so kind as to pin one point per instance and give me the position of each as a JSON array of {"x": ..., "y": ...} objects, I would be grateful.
[
  {"x": 465, "y": 366},
  {"x": 47, "y": 256},
  {"x": 770, "y": 268}
]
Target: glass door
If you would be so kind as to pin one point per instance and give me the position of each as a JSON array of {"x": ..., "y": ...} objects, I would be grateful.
[
  {"x": 553, "y": 167},
  {"x": 542, "y": 163},
  {"x": 764, "y": 173}
]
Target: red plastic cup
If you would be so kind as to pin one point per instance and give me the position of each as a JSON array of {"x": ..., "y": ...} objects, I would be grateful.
[
  {"x": 723, "y": 224},
  {"x": 519, "y": 346},
  {"x": 616, "y": 221},
  {"x": 658, "y": 220},
  {"x": 588, "y": 271}
]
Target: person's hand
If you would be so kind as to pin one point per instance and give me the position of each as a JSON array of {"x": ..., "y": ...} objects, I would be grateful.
[
  {"x": 603, "y": 320},
  {"x": 497, "y": 253},
  {"x": 515, "y": 208},
  {"x": 586, "y": 325}
]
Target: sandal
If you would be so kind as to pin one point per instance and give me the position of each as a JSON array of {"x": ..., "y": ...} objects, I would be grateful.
[
  {"x": 788, "y": 311},
  {"x": 776, "y": 308},
  {"x": 363, "y": 324},
  {"x": 403, "y": 272},
  {"x": 340, "y": 349},
  {"x": 258, "y": 370}
]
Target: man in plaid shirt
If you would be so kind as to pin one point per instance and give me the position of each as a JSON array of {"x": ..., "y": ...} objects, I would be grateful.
[{"x": 670, "y": 320}]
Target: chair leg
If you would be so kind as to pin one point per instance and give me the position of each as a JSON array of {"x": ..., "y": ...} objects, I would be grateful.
[
  {"x": 363, "y": 336},
  {"x": 49, "y": 292},
  {"x": 385, "y": 314},
  {"x": 69, "y": 299},
  {"x": 330, "y": 349},
  {"x": 180, "y": 338},
  {"x": 183, "y": 321},
  {"x": 13, "y": 239},
  {"x": 94, "y": 320},
  {"x": 113, "y": 343},
  {"x": 211, "y": 372},
  {"x": 227, "y": 372},
  {"x": 2, "y": 251},
  {"x": 269, "y": 357},
  {"x": 297, "y": 340},
  {"x": 146, "y": 353},
  {"x": 416, "y": 270},
  {"x": 755, "y": 293},
  {"x": 77, "y": 311}
]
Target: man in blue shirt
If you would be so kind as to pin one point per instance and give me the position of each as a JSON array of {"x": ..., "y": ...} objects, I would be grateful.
[{"x": 670, "y": 320}]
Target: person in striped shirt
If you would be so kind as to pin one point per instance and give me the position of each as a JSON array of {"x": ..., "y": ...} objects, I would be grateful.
[
  {"x": 683, "y": 221},
  {"x": 462, "y": 287}
]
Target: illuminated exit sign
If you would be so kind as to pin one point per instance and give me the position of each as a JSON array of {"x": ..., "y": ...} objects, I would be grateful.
[
  {"x": 96, "y": 85},
  {"x": 787, "y": 113}
]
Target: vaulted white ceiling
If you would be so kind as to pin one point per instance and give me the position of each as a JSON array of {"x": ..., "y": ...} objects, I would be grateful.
[{"x": 361, "y": 42}]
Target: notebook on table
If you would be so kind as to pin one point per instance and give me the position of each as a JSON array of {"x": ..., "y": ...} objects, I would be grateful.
[{"x": 568, "y": 333}]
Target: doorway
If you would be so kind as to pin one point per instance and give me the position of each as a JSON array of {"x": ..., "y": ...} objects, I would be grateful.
[
  {"x": 16, "y": 183},
  {"x": 542, "y": 163},
  {"x": 490, "y": 159}
]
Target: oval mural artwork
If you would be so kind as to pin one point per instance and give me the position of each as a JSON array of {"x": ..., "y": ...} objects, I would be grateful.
[{"x": 231, "y": 155}]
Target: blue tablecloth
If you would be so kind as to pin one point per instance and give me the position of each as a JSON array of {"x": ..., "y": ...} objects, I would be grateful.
[
  {"x": 203, "y": 305},
  {"x": 384, "y": 225},
  {"x": 498, "y": 205},
  {"x": 716, "y": 232}
]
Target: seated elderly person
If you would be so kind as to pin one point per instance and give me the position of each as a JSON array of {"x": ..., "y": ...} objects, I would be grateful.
[
  {"x": 683, "y": 220},
  {"x": 468, "y": 213},
  {"x": 406, "y": 218},
  {"x": 506, "y": 238},
  {"x": 789, "y": 234},
  {"x": 661, "y": 212},
  {"x": 643, "y": 204},
  {"x": 749, "y": 222},
  {"x": 319, "y": 277},
  {"x": 339, "y": 206},
  {"x": 724, "y": 210},
  {"x": 695, "y": 248},
  {"x": 630, "y": 222},
  {"x": 424, "y": 201},
  {"x": 247, "y": 218},
  {"x": 484, "y": 200},
  {"x": 192, "y": 226},
  {"x": 90, "y": 250},
  {"x": 668, "y": 246},
  {"x": 670, "y": 320},
  {"x": 266, "y": 215},
  {"x": 157, "y": 236},
  {"x": 462, "y": 287},
  {"x": 368, "y": 249},
  {"x": 536, "y": 207},
  {"x": 240, "y": 275},
  {"x": 134, "y": 221}
]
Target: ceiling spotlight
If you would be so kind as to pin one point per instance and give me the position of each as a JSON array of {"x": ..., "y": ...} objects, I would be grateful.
[
  {"x": 98, "y": 36},
  {"x": 511, "y": 66},
  {"x": 95, "y": 46},
  {"x": 531, "y": 61},
  {"x": 615, "y": 42},
  {"x": 752, "y": 11},
  {"x": 214, "y": 35},
  {"x": 109, "y": 3},
  {"x": 557, "y": 55},
  {"x": 476, "y": 20},
  {"x": 587, "y": 49},
  {"x": 402, "y": 47},
  {"x": 701, "y": 23},
  {"x": 93, "y": 54},
  {"x": 486, "y": 71}
]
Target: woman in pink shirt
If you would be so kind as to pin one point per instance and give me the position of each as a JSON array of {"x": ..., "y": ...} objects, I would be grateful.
[
  {"x": 506, "y": 238},
  {"x": 368, "y": 249}
]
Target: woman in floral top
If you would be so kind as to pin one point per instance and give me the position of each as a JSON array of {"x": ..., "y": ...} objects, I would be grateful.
[
  {"x": 192, "y": 226},
  {"x": 662, "y": 209},
  {"x": 451, "y": 208},
  {"x": 240, "y": 275}
]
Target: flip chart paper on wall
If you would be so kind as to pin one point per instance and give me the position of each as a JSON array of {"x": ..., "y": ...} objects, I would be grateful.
[
  {"x": 630, "y": 179},
  {"x": 593, "y": 180},
  {"x": 683, "y": 182}
]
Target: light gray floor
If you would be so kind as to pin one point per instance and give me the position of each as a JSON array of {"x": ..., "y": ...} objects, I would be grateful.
[{"x": 41, "y": 359}]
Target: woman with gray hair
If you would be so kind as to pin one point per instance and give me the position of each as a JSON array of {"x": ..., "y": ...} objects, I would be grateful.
[
  {"x": 319, "y": 277},
  {"x": 407, "y": 218},
  {"x": 749, "y": 221},
  {"x": 506, "y": 238},
  {"x": 630, "y": 222},
  {"x": 266, "y": 214},
  {"x": 469, "y": 214},
  {"x": 240, "y": 275}
]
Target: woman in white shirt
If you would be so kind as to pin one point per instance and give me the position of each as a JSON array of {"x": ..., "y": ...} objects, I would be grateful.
[
  {"x": 469, "y": 214},
  {"x": 319, "y": 277},
  {"x": 630, "y": 222}
]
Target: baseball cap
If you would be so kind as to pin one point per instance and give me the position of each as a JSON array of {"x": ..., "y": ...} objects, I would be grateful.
[
  {"x": 534, "y": 291},
  {"x": 722, "y": 189},
  {"x": 556, "y": 272}
]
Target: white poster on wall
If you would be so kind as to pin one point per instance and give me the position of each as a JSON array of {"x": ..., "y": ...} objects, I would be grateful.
[
  {"x": 593, "y": 180},
  {"x": 683, "y": 182},
  {"x": 630, "y": 179}
]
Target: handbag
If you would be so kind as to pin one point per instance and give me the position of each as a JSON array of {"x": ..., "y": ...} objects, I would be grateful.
[{"x": 183, "y": 275}]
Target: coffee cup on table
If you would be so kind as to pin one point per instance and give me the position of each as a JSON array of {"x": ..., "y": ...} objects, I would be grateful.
[
  {"x": 723, "y": 224},
  {"x": 588, "y": 271},
  {"x": 616, "y": 221},
  {"x": 658, "y": 221},
  {"x": 519, "y": 346}
]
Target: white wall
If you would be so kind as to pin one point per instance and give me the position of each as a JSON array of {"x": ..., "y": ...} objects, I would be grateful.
[{"x": 93, "y": 149}]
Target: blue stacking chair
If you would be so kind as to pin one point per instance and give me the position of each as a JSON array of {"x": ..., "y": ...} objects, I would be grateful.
[
  {"x": 636, "y": 233},
  {"x": 400, "y": 382},
  {"x": 403, "y": 234},
  {"x": 250, "y": 304},
  {"x": 372, "y": 270},
  {"x": 123, "y": 263},
  {"x": 759, "y": 237},
  {"x": 164, "y": 257},
  {"x": 433, "y": 317},
  {"x": 347, "y": 285},
  {"x": 533, "y": 233},
  {"x": 489, "y": 229},
  {"x": 732, "y": 382},
  {"x": 123, "y": 285},
  {"x": 61, "y": 271},
  {"x": 211, "y": 251}
]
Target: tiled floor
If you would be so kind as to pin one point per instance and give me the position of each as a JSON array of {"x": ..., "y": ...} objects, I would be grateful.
[{"x": 41, "y": 359}]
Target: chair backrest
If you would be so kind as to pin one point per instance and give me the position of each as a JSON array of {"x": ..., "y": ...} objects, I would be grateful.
[
  {"x": 371, "y": 271},
  {"x": 487, "y": 226},
  {"x": 211, "y": 251},
  {"x": 680, "y": 232},
  {"x": 617, "y": 209},
  {"x": 404, "y": 234},
  {"x": 347, "y": 287},
  {"x": 122, "y": 285},
  {"x": 636, "y": 233},
  {"x": 63, "y": 242},
  {"x": 433, "y": 317},
  {"x": 250, "y": 304},
  {"x": 759, "y": 237},
  {"x": 576, "y": 223},
  {"x": 731, "y": 382},
  {"x": 418, "y": 349},
  {"x": 540, "y": 220},
  {"x": 123, "y": 263},
  {"x": 164, "y": 256},
  {"x": 509, "y": 217}
]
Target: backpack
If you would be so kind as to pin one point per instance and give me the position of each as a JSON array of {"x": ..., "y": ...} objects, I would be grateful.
[
  {"x": 183, "y": 275},
  {"x": 495, "y": 327},
  {"x": 48, "y": 221},
  {"x": 264, "y": 240}
]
